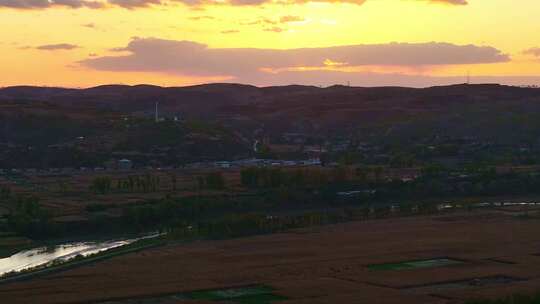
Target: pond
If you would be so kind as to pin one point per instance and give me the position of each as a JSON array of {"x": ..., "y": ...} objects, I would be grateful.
[{"x": 419, "y": 264}]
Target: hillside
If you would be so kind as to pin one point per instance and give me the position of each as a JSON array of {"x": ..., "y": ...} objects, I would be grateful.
[{"x": 384, "y": 118}]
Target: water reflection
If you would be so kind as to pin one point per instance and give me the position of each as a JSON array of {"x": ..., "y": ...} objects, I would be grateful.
[{"x": 59, "y": 253}]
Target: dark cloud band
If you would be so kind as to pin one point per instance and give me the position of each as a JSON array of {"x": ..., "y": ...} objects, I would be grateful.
[
  {"x": 195, "y": 59},
  {"x": 56, "y": 47},
  {"x": 42, "y": 4}
]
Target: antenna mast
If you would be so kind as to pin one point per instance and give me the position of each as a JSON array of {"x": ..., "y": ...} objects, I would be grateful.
[{"x": 156, "y": 112}]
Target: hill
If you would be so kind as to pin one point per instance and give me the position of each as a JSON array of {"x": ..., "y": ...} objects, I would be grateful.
[{"x": 387, "y": 119}]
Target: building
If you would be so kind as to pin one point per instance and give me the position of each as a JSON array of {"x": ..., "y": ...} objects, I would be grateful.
[{"x": 125, "y": 164}]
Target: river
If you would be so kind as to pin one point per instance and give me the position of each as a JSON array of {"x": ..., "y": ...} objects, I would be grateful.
[{"x": 41, "y": 256}]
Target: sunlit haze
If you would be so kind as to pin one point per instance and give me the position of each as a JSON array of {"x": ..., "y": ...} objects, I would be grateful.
[{"x": 82, "y": 43}]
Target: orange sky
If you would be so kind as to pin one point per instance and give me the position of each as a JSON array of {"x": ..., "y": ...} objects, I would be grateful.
[{"x": 82, "y": 43}]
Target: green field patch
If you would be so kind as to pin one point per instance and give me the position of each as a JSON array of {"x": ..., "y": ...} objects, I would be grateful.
[
  {"x": 418, "y": 264},
  {"x": 464, "y": 284},
  {"x": 259, "y": 299},
  {"x": 256, "y": 294},
  {"x": 259, "y": 294}
]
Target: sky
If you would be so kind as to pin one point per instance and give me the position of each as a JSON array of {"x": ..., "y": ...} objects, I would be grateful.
[{"x": 419, "y": 43}]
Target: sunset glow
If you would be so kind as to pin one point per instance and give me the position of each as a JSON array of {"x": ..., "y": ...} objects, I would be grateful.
[{"x": 84, "y": 43}]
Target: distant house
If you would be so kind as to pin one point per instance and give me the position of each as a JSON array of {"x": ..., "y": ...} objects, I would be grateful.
[
  {"x": 297, "y": 138},
  {"x": 31, "y": 171},
  {"x": 223, "y": 164},
  {"x": 125, "y": 164},
  {"x": 312, "y": 162}
]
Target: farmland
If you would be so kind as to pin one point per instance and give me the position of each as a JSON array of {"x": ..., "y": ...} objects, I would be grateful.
[
  {"x": 387, "y": 196},
  {"x": 498, "y": 255}
]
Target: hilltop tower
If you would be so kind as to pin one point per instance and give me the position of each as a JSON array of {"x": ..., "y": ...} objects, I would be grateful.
[{"x": 156, "y": 113}]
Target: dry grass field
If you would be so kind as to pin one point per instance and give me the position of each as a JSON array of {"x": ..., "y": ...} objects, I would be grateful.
[
  {"x": 68, "y": 195},
  {"x": 494, "y": 255}
]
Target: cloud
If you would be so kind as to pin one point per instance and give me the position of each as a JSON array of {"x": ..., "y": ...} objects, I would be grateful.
[
  {"x": 78, "y": 3},
  {"x": 535, "y": 51},
  {"x": 56, "y": 47},
  {"x": 189, "y": 58},
  {"x": 42, "y": 4},
  {"x": 272, "y": 23},
  {"x": 89, "y": 25},
  {"x": 287, "y": 19},
  {"x": 230, "y": 31},
  {"x": 133, "y": 4},
  {"x": 454, "y": 2},
  {"x": 274, "y": 29},
  {"x": 259, "y": 21},
  {"x": 118, "y": 49},
  {"x": 258, "y": 2},
  {"x": 197, "y": 18},
  {"x": 247, "y": 2}
]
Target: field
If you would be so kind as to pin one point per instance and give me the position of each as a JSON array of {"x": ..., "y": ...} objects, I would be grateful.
[
  {"x": 66, "y": 196},
  {"x": 450, "y": 258}
]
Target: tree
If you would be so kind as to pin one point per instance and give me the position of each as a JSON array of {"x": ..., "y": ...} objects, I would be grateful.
[
  {"x": 215, "y": 181},
  {"x": 5, "y": 193},
  {"x": 101, "y": 185},
  {"x": 63, "y": 186},
  {"x": 378, "y": 174},
  {"x": 173, "y": 181},
  {"x": 249, "y": 177},
  {"x": 361, "y": 174},
  {"x": 28, "y": 218}
]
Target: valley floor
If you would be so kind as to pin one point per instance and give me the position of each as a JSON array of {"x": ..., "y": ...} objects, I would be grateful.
[{"x": 455, "y": 257}]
